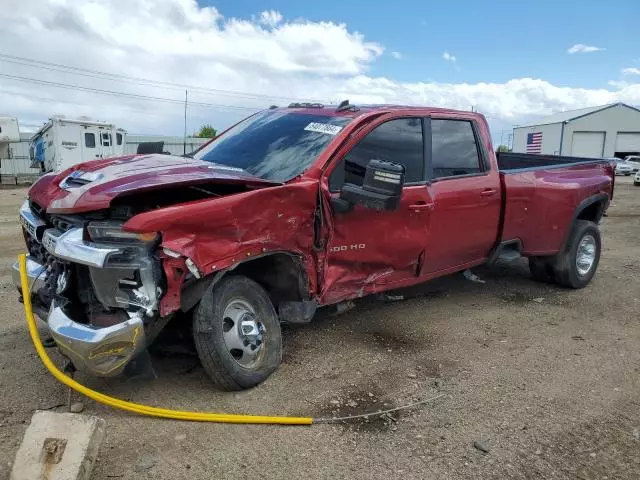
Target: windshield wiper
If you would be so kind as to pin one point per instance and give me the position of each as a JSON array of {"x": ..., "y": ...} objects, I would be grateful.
[{"x": 238, "y": 170}]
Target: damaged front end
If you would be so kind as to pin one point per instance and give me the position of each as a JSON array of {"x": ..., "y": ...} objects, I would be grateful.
[{"x": 95, "y": 285}]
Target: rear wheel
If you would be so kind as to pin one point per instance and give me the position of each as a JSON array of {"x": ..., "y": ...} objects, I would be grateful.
[
  {"x": 237, "y": 334},
  {"x": 577, "y": 265}
]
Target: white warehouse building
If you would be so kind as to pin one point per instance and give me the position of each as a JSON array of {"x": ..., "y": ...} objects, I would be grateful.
[{"x": 605, "y": 131}]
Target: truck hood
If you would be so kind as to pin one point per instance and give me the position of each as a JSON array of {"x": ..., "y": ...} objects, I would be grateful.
[{"x": 93, "y": 185}]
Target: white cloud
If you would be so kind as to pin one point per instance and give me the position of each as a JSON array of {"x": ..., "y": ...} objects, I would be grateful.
[
  {"x": 631, "y": 71},
  {"x": 274, "y": 58},
  {"x": 581, "y": 48},
  {"x": 397, "y": 55},
  {"x": 448, "y": 57},
  {"x": 270, "y": 18}
]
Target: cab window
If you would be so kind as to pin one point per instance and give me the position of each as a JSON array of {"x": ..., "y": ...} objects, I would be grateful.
[
  {"x": 399, "y": 141},
  {"x": 454, "y": 151}
]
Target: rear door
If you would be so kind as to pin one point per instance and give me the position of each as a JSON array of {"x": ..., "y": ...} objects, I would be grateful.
[
  {"x": 68, "y": 145},
  {"x": 368, "y": 250},
  {"x": 90, "y": 144},
  {"x": 118, "y": 148},
  {"x": 466, "y": 194},
  {"x": 106, "y": 143}
]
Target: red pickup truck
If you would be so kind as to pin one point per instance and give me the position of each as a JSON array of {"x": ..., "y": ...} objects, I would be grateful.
[{"x": 289, "y": 210}]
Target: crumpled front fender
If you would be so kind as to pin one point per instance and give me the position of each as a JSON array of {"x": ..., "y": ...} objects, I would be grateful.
[{"x": 217, "y": 234}]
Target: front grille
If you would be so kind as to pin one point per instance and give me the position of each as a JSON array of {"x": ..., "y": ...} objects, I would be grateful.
[
  {"x": 64, "y": 223},
  {"x": 36, "y": 250}
]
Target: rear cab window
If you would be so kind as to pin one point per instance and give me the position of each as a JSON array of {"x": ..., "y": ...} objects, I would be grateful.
[{"x": 455, "y": 150}]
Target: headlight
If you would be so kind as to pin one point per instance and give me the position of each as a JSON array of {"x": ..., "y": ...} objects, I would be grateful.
[{"x": 111, "y": 232}]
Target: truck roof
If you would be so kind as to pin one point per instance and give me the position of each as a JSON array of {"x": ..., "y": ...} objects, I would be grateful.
[{"x": 357, "y": 110}]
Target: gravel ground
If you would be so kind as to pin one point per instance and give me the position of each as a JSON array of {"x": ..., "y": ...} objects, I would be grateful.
[{"x": 545, "y": 379}]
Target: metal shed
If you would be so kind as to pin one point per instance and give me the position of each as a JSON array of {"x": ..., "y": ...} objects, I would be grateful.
[{"x": 605, "y": 131}]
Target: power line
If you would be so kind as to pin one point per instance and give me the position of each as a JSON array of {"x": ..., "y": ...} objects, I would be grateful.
[
  {"x": 118, "y": 107},
  {"x": 120, "y": 94},
  {"x": 131, "y": 79}
]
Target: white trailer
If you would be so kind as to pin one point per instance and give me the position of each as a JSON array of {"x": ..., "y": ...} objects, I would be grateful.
[
  {"x": 9, "y": 130},
  {"x": 63, "y": 142},
  {"x": 14, "y": 168},
  {"x": 9, "y": 133}
]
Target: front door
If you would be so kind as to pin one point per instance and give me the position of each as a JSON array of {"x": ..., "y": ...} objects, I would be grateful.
[{"x": 370, "y": 250}]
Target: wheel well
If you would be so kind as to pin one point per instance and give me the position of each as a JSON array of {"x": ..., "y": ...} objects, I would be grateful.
[
  {"x": 592, "y": 212},
  {"x": 282, "y": 275}
]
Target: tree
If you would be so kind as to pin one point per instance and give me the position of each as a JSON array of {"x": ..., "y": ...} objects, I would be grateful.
[
  {"x": 502, "y": 148},
  {"x": 206, "y": 131}
]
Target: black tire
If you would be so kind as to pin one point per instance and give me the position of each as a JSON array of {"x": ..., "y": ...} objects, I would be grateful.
[
  {"x": 541, "y": 269},
  {"x": 209, "y": 327},
  {"x": 637, "y": 184},
  {"x": 566, "y": 271}
]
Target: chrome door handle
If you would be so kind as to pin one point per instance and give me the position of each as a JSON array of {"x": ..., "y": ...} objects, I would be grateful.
[{"x": 421, "y": 206}]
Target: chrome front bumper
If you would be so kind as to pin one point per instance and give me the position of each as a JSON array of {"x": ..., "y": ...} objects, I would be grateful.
[
  {"x": 103, "y": 352},
  {"x": 100, "y": 352}
]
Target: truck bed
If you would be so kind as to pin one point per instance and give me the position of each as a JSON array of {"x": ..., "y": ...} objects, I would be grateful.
[
  {"x": 509, "y": 161},
  {"x": 541, "y": 194}
]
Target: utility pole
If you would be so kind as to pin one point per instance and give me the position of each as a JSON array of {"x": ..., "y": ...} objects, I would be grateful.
[{"x": 184, "y": 145}]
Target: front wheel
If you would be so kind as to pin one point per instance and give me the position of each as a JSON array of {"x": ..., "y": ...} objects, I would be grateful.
[
  {"x": 578, "y": 264},
  {"x": 637, "y": 184},
  {"x": 237, "y": 334}
]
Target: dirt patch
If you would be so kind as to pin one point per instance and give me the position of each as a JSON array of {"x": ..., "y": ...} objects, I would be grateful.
[{"x": 387, "y": 339}]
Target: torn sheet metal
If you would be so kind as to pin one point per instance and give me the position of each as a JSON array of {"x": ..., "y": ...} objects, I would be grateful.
[{"x": 221, "y": 232}]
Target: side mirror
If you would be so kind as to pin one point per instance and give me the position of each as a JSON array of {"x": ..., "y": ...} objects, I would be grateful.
[{"x": 381, "y": 189}]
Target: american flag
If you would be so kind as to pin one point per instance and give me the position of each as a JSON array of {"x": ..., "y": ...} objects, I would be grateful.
[{"x": 534, "y": 142}]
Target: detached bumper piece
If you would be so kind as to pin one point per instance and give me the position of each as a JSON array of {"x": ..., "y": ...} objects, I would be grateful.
[
  {"x": 102, "y": 352},
  {"x": 97, "y": 351}
]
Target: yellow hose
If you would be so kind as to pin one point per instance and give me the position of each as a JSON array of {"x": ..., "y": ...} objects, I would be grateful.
[{"x": 129, "y": 406}]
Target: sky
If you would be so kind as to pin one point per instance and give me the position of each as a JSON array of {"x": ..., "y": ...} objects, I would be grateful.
[{"x": 130, "y": 61}]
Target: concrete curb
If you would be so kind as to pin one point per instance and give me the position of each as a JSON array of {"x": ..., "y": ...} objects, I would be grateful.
[{"x": 58, "y": 446}]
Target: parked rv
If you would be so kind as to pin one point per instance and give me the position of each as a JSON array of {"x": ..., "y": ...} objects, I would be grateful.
[{"x": 63, "y": 142}]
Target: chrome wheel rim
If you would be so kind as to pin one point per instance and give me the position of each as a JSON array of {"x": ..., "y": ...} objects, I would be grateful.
[
  {"x": 586, "y": 255},
  {"x": 243, "y": 333}
]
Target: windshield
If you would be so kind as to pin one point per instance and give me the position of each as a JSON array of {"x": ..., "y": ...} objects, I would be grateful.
[{"x": 275, "y": 145}]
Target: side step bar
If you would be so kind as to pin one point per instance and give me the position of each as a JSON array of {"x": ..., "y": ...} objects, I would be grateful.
[{"x": 507, "y": 251}]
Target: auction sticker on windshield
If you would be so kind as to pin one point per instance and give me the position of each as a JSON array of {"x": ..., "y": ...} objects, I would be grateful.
[{"x": 323, "y": 128}]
